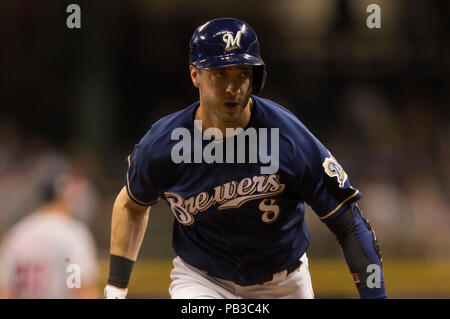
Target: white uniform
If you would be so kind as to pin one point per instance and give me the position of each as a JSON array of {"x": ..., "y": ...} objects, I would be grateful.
[
  {"x": 41, "y": 252},
  {"x": 190, "y": 282}
]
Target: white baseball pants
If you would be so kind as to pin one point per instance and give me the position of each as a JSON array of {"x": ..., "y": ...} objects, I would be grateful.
[{"x": 189, "y": 282}]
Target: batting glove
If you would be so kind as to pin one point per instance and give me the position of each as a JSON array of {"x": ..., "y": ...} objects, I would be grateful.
[{"x": 112, "y": 292}]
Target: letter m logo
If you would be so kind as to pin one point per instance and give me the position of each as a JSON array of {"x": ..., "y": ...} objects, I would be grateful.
[{"x": 232, "y": 42}]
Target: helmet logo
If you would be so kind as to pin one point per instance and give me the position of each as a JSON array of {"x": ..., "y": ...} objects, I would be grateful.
[{"x": 232, "y": 42}]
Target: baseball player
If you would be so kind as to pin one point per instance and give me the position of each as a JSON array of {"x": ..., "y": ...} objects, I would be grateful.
[
  {"x": 239, "y": 230},
  {"x": 48, "y": 254}
]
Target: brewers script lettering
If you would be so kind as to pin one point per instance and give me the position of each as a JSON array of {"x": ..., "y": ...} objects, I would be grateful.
[{"x": 229, "y": 195}]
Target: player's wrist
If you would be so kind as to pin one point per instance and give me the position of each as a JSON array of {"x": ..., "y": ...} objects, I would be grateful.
[{"x": 120, "y": 269}]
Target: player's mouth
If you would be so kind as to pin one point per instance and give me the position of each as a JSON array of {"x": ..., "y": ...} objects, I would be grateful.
[{"x": 231, "y": 105}]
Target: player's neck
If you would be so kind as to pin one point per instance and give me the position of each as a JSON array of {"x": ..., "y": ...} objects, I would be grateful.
[
  {"x": 210, "y": 120},
  {"x": 55, "y": 207}
]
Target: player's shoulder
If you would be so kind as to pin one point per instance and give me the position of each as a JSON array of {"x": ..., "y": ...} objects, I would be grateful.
[
  {"x": 46, "y": 225},
  {"x": 272, "y": 114},
  {"x": 273, "y": 107},
  {"x": 22, "y": 227},
  {"x": 162, "y": 129}
]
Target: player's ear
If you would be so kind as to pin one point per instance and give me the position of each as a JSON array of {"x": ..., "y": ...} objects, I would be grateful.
[{"x": 195, "y": 74}]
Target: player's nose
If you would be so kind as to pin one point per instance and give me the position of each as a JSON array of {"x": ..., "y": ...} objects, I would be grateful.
[{"x": 233, "y": 88}]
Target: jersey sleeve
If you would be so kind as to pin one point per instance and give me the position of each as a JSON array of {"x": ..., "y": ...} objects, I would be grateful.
[
  {"x": 323, "y": 183},
  {"x": 140, "y": 187}
]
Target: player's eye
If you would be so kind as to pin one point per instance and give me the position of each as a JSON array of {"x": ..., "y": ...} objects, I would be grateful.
[
  {"x": 220, "y": 74},
  {"x": 245, "y": 74}
]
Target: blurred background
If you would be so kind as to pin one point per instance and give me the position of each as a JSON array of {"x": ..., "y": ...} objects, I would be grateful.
[{"x": 377, "y": 98}]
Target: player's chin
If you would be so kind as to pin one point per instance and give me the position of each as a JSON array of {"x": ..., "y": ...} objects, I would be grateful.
[
  {"x": 227, "y": 118},
  {"x": 231, "y": 114}
]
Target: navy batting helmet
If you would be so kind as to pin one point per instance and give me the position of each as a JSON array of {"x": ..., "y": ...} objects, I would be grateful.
[{"x": 225, "y": 42}]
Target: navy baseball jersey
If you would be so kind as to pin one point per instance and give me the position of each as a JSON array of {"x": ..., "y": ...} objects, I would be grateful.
[{"x": 231, "y": 220}]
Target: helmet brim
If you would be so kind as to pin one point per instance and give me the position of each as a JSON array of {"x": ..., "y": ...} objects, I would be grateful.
[{"x": 228, "y": 60}]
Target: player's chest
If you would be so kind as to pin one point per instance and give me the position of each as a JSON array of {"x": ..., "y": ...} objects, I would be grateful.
[
  {"x": 219, "y": 187},
  {"x": 230, "y": 179}
]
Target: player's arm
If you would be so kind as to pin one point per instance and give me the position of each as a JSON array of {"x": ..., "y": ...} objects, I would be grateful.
[
  {"x": 361, "y": 249},
  {"x": 129, "y": 222},
  {"x": 325, "y": 186}
]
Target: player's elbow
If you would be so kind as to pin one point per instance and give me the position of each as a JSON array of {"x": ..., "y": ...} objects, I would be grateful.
[
  {"x": 124, "y": 202},
  {"x": 343, "y": 225}
]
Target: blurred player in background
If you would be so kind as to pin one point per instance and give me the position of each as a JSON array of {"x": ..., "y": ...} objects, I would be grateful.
[{"x": 49, "y": 254}]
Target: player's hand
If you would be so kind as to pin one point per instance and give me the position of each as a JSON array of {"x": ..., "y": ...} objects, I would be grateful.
[{"x": 112, "y": 292}]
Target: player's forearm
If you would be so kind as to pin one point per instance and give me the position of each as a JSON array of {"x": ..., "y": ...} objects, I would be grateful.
[
  {"x": 361, "y": 252},
  {"x": 127, "y": 227},
  {"x": 129, "y": 222}
]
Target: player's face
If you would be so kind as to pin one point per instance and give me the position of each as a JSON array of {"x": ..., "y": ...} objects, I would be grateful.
[{"x": 225, "y": 91}]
